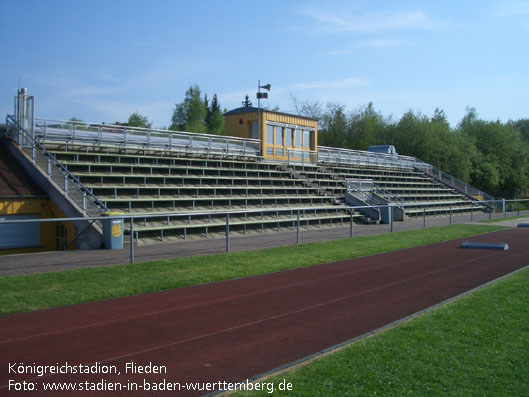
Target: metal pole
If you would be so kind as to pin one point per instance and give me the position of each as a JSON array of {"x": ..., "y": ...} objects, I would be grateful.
[
  {"x": 131, "y": 240},
  {"x": 424, "y": 217},
  {"x": 351, "y": 224},
  {"x": 297, "y": 236},
  {"x": 227, "y": 232},
  {"x": 450, "y": 214},
  {"x": 471, "y": 211},
  {"x": 518, "y": 206},
  {"x": 259, "y": 112},
  {"x": 504, "y": 208},
  {"x": 390, "y": 211}
]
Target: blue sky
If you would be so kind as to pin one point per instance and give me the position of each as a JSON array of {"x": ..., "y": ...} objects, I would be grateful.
[{"x": 102, "y": 60}]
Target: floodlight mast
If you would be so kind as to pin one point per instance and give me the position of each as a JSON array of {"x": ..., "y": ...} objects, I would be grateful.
[{"x": 260, "y": 95}]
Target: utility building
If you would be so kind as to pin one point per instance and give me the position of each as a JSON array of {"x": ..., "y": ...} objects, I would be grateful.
[{"x": 283, "y": 136}]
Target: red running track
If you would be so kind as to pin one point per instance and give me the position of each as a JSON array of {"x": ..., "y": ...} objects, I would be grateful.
[{"x": 237, "y": 329}]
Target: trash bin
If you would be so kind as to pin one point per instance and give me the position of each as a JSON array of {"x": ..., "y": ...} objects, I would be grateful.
[{"x": 113, "y": 231}]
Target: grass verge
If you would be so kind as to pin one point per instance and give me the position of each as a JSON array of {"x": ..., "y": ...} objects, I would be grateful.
[
  {"x": 509, "y": 218},
  {"x": 477, "y": 345},
  {"x": 39, "y": 291}
]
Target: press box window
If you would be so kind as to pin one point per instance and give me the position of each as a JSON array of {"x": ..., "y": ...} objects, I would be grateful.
[
  {"x": 279, "y": 136},
  {"x": 269, "y": 135}
]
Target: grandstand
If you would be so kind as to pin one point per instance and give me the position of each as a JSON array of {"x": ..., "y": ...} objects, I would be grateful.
[{"x": 179, "y": 185}]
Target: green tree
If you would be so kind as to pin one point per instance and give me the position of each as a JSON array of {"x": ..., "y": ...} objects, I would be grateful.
[
  {"x": 247, "y": 103},
  {"x": 366, "y": 127},
  {"x": 138, "y": 120},
  {"x": 333, "y": 126},
  {"x": 215, "y": 119},
  {"x": 190, "y": 115},
  {"x": 502, "y": 164}
]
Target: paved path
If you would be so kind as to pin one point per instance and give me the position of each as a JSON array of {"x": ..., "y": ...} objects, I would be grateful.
[
  {"x": 237, "y": 329},
  {"x": 56, "y": 261}
]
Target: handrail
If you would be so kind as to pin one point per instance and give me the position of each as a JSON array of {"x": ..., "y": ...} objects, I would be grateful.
[
  {"x": 19, "y": 135},
  {"x": 297, "y": 156},
  {"x": 358, "y": 157},
  {"x": 365, "y": 188},
  {"x": 124, "y": 136},
  {"x": 454, "y": 182}
]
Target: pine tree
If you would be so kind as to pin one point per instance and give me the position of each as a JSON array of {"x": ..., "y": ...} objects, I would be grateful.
[
  {"x": 247, "y": 103},
  {"x": 216, "y": 119}
]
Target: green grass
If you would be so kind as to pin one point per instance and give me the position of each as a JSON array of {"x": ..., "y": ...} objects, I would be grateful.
[
  {"x": 475, "y": 346},
  {"x": 25, "y": 293},
  {"x": 509, "y": 218}
]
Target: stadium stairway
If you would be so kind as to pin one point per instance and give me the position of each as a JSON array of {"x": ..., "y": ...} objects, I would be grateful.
[{"x": 419, "y": 193}]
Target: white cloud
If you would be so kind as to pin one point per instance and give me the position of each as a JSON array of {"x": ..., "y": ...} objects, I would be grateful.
[
  {"x": 381, "y": 43},
  {"x": 337, "y": 18},
  {"x": 337, "y": 52}
]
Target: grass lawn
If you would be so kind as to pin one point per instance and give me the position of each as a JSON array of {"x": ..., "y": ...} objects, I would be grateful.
[
  {"x": 509, "y": 218},
  {"x": 25, "y": 293},
  {"x": 475, "y": 346}
]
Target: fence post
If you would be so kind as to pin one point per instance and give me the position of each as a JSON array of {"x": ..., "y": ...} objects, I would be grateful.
[
  {"x": 297, "y": 235},
  {"x": 504, "y": 208},
  {"x": 390, "y": 211},
  {"x": 471, "y": 211},
  {"x": 131, "y": 240},
  {"x": 518, "y": 206},
  {"x": 351, "y": 224},
  {"x": 49, "y": 168},
  {"x": 450, "y": 214},
  {"x": 424, "y": 217},
  {"x": 65, "y": 185},
  {"x": 227, "y": 232}
]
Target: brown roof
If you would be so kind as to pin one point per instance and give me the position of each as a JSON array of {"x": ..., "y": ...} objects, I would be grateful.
[{"x": 14, "y": 182}]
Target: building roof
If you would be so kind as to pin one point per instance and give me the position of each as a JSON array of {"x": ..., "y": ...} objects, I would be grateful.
[{"x": 252, "y": 109}]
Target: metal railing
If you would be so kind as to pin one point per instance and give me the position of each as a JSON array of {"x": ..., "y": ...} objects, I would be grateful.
[
  {"x": 502, "y": 206},
  {"x": 361, "y": 188},
  {"x": 358, "y": 157},
  {"x": 65, "y": 181},
  {"x": 297, "y": 156},
  {"x": 452, "y": 181},
  {"x": 367, "y": 191},
  {"x": 77, "y": 132}
]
